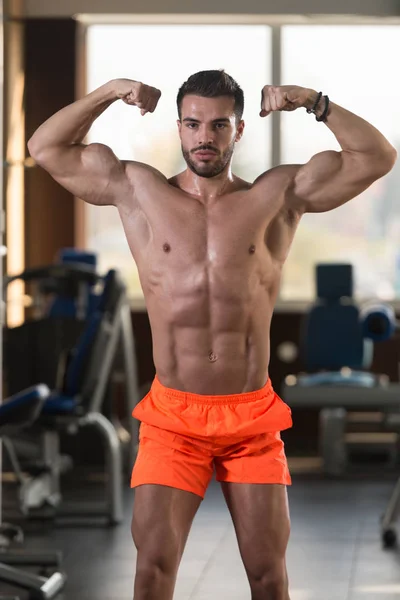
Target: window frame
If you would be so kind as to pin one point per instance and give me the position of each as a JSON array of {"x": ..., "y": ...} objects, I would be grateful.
[{"x": 276, "y": 23}]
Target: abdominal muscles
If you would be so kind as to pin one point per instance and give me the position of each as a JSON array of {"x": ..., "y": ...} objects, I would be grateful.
[{"x": 210, "y": 323}]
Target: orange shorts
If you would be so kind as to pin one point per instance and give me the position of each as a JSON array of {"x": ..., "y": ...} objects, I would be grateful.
[{"x": 183, "y": 435}]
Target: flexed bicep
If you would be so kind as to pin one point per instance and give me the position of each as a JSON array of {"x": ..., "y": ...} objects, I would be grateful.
[
  {"x": 92, "y": 173},
  {"x": 332, "y": 178},
  {"x": 329, "y": 180}
]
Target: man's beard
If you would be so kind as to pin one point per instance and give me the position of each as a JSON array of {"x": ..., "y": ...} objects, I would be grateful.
[{"x": 212, "y": 168}]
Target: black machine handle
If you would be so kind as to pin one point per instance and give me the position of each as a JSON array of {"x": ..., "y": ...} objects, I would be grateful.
[{"x": 69, "y": 272}]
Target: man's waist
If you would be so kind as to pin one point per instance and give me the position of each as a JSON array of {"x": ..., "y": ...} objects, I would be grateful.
[{"x": 212, "y": 380}]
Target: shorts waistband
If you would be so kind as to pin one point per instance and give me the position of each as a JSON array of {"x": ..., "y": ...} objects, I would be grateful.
[{"x": 190, "y": 398}]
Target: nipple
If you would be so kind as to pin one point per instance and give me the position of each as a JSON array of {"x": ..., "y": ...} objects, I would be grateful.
[
  {"x": 252, "y": 249},
  {"x": 212, "y": 357},
  {"x": 166, "y": 247}
]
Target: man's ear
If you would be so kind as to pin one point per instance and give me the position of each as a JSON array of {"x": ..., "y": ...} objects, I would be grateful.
[{"x": 239, "y": 131}]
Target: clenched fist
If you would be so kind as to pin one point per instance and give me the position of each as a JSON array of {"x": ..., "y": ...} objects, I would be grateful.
[
  {"x": 137, "y": 94},
  {"x": 285, "y": 97}
]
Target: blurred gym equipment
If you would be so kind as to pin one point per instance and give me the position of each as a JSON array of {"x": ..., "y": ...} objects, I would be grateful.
[
  {"x": 71, "y": 344},
  {"x": 16, "y": 413}
]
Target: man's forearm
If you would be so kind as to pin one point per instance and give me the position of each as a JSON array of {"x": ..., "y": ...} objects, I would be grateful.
[
  {"x": 353, "y": 133},
  {"x": 71, "y": 124}
]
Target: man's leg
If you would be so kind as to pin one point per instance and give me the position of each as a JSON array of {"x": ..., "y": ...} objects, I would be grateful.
[
  {"x": 260, "y": 516},
  {"x": 162, "y": 517}
]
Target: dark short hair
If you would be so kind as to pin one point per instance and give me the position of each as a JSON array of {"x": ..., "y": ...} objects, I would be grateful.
[{"x": 212, "y": 84}]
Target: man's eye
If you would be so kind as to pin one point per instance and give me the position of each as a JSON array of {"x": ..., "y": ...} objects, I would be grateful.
[
  {"x": 220, "y": 125},
  {"x": 191, "y": 125}
]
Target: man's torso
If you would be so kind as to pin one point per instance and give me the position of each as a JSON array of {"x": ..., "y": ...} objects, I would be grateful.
[{"x": 210, "y": 274}]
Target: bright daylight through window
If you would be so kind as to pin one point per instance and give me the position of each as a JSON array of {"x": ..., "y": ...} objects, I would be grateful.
[
  {"x": 243, "y": 51},
  {"x": 351, "y": 66}
]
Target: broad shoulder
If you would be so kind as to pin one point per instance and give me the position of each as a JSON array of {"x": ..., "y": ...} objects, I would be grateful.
[
  {"x": 138, "y": 172},
  {"x": 141, "y": 182},
  {"x": 279, "y": 183},
  {"x": 281, "y": 177}
]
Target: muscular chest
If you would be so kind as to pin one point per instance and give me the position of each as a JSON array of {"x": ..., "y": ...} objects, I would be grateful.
[
  {"x": 184, "y": 233},
  {"x": 200, "y": 249}
]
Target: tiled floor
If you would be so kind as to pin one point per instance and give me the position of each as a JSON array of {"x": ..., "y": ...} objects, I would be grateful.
[{"x": 334, "y": 553}]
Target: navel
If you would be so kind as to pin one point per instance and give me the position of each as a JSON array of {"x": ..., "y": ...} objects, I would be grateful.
[
  {"x": 252, "y": 249},
  {"x": 166, "y": 247},
  {"x": 212, "y": 357}
]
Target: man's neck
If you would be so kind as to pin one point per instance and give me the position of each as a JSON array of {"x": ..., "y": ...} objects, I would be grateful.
[{"x": 206, "y": 189}]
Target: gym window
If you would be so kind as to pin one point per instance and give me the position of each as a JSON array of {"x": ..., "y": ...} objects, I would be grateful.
[
  {"x": 348, "y": 62},
  {"x": 352, "y": 64}
]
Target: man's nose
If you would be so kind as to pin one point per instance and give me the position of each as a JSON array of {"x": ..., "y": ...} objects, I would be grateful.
[{"x": 206, "y": 135}]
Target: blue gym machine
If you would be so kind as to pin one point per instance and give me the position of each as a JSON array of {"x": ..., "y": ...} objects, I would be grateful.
[
  {"x": 336, "y": 345},
  {"x": 65, "y": 294},
  {"x": 17, "y": 413},
  {"x": 380, "y": 324}
]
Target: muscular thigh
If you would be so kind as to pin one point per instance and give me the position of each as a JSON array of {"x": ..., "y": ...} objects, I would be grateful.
[
  {"x": 260, "y": 515},
  {"x": 162, "y": 517}
]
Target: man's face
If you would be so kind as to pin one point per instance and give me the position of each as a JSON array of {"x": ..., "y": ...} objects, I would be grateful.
[{"x": 208, "y": 132}]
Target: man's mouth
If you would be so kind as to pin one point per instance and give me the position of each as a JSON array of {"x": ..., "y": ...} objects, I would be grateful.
[{"x": 205, "y": 154}]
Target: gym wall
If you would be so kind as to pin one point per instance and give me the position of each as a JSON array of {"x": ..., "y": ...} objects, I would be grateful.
[{"x": 50, "y": 84}]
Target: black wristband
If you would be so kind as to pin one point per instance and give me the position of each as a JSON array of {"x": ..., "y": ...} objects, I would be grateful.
[
  {"x": 314, "y": 108},
  {"x": 324, "y": 115}
]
